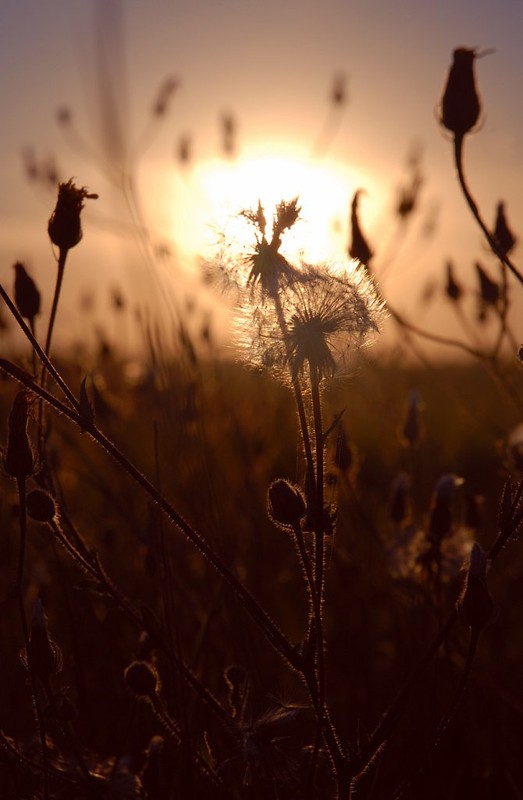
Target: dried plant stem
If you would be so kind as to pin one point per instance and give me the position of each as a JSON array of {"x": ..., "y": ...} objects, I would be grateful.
[
  {"x": 298, "y": 397},
  {"x": 62, "y": 258},
  {"x": 319, "y": 556},
  {"x": 22, "y": 494},
  {"x": 493, "y": 244}
]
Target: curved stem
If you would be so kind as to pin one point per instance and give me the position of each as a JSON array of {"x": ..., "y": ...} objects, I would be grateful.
[{"x": 494, "y": 246}]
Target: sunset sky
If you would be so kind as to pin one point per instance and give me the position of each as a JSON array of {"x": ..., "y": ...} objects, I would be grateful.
[{"x": 271, "y": 68}]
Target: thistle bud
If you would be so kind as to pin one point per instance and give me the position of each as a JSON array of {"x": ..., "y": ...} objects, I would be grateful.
[
  {"x": 411, "y": 430},
  {"x": 142, "y": 678},
  {"x": 27, "y": 296},
  {"x": 41, "y": 506},
  {"x": 453, "y": 290},
  {"x": 19, "y": 459},
  {"x": 285, "y": 504},
  {"x": 359, "y": 248},
  {"x": 502, "y": 234},
  {"x": 65, "y": 229},
  {"x": 460, "y": 105},
  {"x": 475, "y": 605}
]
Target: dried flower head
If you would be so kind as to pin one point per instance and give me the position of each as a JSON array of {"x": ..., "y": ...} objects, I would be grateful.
[
  {"x": 65, "y": 230},
  {"x": 323, "y": 313}
]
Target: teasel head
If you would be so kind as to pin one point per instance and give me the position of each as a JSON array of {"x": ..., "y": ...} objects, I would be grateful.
[
  {"x": 475, "y": 605},
  {"x": 460, "y": 104},
  {"x": 19, "y": 458},
  {"x": 65, "y": 229}
]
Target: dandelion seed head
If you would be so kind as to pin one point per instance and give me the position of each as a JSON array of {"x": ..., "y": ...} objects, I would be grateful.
[{"x": 319, "y": 317}]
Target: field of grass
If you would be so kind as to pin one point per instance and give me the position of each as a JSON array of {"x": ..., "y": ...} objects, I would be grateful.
[{"x": 297, "y": 575}]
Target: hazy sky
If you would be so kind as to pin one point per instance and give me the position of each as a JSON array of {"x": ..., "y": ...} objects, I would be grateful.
[{"x": 271, "y": 66}]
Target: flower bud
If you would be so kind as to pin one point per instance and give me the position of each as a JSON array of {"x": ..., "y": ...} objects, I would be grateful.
[
  {"x": 65, "y": 230},
  {"x": 41, "y": 506},
  {"x": 285, "y": 504},
  {"x": 27, "y": 296},
  {"x": 460, "y": 104},
  {"x": 475, "y": 605},
  {"x": 19, "y": 458},
  {"x": 142, "y": 678},
  {"x": 489, "y": 289}
]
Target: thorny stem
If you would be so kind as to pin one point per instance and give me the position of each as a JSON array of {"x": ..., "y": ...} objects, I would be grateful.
[
  {"x": 319, "y": 562},
  {"x": 494, "y": 246}
]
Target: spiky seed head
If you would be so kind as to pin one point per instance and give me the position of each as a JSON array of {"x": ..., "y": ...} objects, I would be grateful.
[
  {"x": 285, "y": 504},
  {"x": 142, "y": 678},
  {"x": 41, "y": 506}
]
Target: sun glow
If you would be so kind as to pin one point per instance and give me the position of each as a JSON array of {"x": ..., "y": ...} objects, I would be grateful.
[{"x": 216, "y": 191}]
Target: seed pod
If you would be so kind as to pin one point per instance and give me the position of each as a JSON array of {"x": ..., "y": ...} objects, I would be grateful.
[
  {"x": 65, "y": 229},
  {"x": 475, "y": 605},
  {"x": 460, "y": 105},
  {"x": 41, "y": 506},
  {"x": 19, "y": 459},
  {"x": 285, "y": 504},
  {"x": 142, "y": 678},
  {"x": 44, "y": 653},
  {"x": 27, "y": 296}
]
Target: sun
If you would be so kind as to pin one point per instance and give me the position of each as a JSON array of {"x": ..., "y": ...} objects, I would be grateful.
[{"x": 217, "y": 190}]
